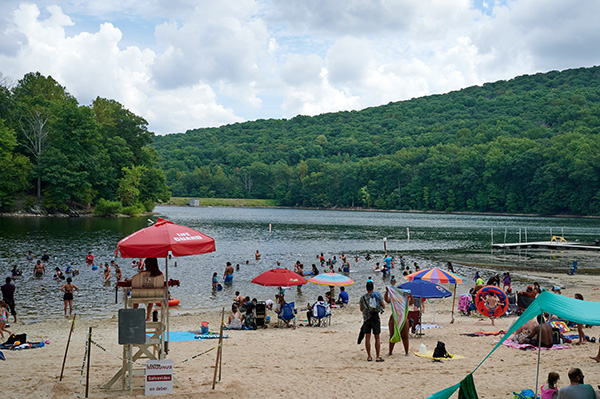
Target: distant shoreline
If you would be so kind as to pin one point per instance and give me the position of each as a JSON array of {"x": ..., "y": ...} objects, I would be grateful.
[
  {"x": 264, "y": 204},
  {"x": 270, "y": 204}
]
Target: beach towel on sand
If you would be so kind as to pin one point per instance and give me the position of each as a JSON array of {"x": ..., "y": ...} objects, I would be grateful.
[
  {"x": 429, "y": 355},
  {"x": 399, "y": 302},
  {"x": 516, "y": 345}
]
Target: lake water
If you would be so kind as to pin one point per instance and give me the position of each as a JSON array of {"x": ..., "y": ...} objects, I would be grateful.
[{"x": 295, "y": 235}]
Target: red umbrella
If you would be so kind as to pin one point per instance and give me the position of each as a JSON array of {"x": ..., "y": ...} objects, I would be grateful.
[
  {"x": 279, "y": 278},
  {"x": 163, "y": 237}
]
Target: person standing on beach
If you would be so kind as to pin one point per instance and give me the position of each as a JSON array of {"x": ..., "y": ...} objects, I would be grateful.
[
  {"x": 68, "y": 289},
  {"x": 405, "y": 327},
  {"x": 582, "y": 338},
  {"x": 8, "y": 296},
  {"x": 371, "y": 304}
]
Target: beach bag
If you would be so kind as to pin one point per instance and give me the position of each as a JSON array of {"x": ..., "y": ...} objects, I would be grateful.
[
  {"x": 440, "y": 350},
  {"x": 524, "y": 394}
]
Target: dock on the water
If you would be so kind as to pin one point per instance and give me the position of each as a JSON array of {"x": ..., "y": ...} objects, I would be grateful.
[{"x": 548, "y": 245}]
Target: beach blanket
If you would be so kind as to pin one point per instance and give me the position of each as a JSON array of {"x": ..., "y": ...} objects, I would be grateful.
[
  {"x": 516, "y": 345},
  {"x": 561, "y": 325},
  {"x": 210, "y": 336},
  {"x": 428, "y": 326},
  {"x": 180, "y": 336},
  {"x": 399, "y": 302},
  {"x": 27, "y": 345},
  {"x": 483, "y": 333},
  {"x": 429, "y": 355}
]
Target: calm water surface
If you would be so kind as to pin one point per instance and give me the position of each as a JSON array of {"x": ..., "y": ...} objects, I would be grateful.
[{"x": 295, "y": 235}]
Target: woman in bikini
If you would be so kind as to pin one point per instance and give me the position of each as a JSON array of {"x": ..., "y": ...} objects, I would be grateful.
[{"x": 68, "y": 289}]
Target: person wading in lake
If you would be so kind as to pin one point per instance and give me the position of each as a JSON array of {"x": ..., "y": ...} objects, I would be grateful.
[{"x": 68, "y": 289}]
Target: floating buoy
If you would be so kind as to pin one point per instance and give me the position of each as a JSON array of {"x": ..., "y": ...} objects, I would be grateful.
[
  {"x": 499, "y": 310},
  {"x": 172, "y": 302}
]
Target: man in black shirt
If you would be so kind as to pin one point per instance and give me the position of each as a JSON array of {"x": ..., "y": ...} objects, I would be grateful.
[{"x": 8, "y": 296}]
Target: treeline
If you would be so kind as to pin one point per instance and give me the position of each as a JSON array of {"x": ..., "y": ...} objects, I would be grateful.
[
  {"x": 59, "y": 156},
  {"x": 528, "y": 145}
]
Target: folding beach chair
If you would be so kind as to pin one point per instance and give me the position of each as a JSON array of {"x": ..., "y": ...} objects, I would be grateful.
[
  {"x": 322, "y": 316},
  {"x": 260, "y": 313},
  {"x": 287, "y": 314},
  {"x": 414, "y": 318},
  {"x": 523, "y": 303}
]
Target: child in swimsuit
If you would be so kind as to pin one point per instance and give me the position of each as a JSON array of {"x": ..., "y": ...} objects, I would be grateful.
[{"x": 3, "y": 318}]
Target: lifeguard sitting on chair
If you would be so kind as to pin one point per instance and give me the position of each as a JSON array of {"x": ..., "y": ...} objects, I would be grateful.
[{"x": 149, "y": 283}]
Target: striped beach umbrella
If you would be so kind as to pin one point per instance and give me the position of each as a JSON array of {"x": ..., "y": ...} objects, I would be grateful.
[
  {"x": 438, "y": 276},
  {"x": 331, "y": 279}
]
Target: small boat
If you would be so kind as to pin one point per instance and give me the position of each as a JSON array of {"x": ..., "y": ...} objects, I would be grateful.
[{"x": 172, "y": 302}]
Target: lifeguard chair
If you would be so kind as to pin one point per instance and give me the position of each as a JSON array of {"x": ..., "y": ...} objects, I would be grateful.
[{"x": 142, "y": 289}]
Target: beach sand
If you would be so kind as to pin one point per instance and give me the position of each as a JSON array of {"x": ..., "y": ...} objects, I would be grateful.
[{"x": 303, "y": 362}]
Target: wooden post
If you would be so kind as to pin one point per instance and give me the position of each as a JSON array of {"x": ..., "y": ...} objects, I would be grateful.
[
  {"x": 385, "y": 244},
  {"x": 67, "y": 348},
  {"x": 87, "y": 375},
  {"x": 219, "y": 348},
  {"x": 453, "y": 300},
  {"x": 221, "y": 344}
]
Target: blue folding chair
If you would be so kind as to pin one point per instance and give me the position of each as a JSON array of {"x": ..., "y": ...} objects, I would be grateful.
[
  {"x": 287, "y": 313},
  {"x": 322, "y": 316},
  {"x": 574, "y": 269}
]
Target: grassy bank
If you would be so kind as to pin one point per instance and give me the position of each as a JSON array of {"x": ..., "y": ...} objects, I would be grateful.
[{"x": 183, "y": 201}]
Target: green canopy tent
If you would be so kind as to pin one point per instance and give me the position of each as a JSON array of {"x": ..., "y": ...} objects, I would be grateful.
[{"x": 575, "y": 310}]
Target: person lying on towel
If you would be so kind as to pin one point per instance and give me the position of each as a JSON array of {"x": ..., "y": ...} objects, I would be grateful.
[{"x": 546, "y": 338}]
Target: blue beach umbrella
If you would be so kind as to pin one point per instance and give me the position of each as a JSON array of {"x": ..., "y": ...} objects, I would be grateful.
[{"x": 425, "y": 289}]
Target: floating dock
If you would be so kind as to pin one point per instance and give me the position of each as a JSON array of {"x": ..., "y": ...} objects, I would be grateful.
[{"x": 548, "y": 245}]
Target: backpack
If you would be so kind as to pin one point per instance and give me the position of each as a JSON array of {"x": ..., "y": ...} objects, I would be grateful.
[{"x": 440, "y": 350}]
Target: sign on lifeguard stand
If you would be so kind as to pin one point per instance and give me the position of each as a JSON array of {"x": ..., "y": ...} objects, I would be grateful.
[{"x": 159, "y": 377}]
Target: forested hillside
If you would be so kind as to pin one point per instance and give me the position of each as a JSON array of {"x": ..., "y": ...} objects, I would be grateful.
[
  {"x": 58, "y": 156},
  {"x": 528, "y": 145}
]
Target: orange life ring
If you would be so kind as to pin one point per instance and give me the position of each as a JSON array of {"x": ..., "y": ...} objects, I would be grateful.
[
  {"x": 499, "y": 310},
  {"x": 172, "y": 302}
]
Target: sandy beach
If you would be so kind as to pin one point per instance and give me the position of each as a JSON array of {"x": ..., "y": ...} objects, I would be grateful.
[{"x": 306, "y": 361}]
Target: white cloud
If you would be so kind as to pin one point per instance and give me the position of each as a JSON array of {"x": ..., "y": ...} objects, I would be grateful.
[{"x": 184, "y": 64}]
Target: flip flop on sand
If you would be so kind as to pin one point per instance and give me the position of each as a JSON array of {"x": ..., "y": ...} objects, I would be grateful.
[
  {"x": 369, "y": 359},
  {"x": 379, "y": 360}
]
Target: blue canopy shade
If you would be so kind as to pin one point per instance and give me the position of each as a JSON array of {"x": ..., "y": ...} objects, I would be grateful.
[{"x": 425, "y": 289}]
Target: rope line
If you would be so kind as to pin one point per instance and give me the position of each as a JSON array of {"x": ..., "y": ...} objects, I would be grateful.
[{"x": 144, "y": 364}]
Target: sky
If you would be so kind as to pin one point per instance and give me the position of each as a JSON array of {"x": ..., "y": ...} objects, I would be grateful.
[{"x": 186, "y": 64}]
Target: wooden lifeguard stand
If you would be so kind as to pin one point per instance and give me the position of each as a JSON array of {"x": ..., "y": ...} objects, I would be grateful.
[{"x": 143, "y": 289}]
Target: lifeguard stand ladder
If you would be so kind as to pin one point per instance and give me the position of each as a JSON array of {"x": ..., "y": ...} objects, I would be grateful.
[{"x": 131, "y": 323}]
